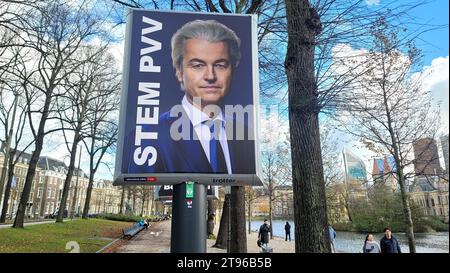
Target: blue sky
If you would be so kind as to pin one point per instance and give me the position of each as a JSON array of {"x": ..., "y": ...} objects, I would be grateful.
[{"x": 433, "y": 43}]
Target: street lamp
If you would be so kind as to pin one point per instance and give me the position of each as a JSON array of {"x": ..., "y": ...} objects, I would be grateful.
[{"x": 74, "y": 201}]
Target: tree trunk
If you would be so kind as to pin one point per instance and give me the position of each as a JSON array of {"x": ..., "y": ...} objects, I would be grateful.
[
  {"x": 152, "y": 207},
  {"x": 143, "y": 202},
  {"x": 73, "y": 154},
  {"x": 127, "y": 209},
  {"x": 249, "y": 208},
  {"x": 222, "y": 235},
  {"x": 211, "y": 216},
  {"x": 238, "y": 236},
  {"x": 401, "y": 178},
  {"x": 39, "y": 141},
  {"x": 311, "y": 232},
  {"x": 347, "y": 206},
  {"x": 407, "y": 213},
  {"x": 134, "y": 201},
  {"x": 122, "y": 197},
  {"x": 7, "y": 189},
  {"x": 87, "y": 202},
  {"x": 20, "y": 216},
  {"x": 270, "y": 206}
]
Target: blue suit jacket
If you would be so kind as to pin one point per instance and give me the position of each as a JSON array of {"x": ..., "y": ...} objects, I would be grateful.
[{"x": 187, "y": 156}]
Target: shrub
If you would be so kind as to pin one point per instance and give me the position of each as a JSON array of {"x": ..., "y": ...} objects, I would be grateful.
[
  {"x": 343, "y": 226},
  {"x": 122, "y": 217},
  {"x": 436, "y": 224}
]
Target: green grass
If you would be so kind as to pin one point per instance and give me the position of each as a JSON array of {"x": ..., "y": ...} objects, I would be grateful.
[{"x": 91, "y": 235}]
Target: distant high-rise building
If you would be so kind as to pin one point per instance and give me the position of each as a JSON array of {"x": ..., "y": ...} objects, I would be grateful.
[
  {"x": 355, "y": 176},
  {"x": 444, "y": 145},
  {"x": 426, "y": 157},
  {"x": 384, "y": 171},
  {"x": 355, "y": 169}
]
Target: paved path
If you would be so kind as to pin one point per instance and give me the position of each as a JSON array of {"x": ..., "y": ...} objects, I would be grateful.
[{"x": 156, "y": 239}]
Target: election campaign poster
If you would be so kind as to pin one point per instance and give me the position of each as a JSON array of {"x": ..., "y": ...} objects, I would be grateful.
[{"x": 189, "y": 102}]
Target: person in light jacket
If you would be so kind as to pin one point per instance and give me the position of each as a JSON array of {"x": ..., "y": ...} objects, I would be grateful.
[{"x": 370, "y": 245}]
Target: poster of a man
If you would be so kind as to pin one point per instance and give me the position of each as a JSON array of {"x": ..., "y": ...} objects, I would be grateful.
[
  {"x": 205, "y": 55},
  {"x": 207, "y": 128}
]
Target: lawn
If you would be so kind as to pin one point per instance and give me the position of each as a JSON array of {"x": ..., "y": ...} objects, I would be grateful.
[{"x": 91, "y": 235}]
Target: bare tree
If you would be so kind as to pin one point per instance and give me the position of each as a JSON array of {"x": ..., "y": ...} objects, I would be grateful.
[
  {"x": 338, "y": 191},
  {"x": 276, "y": 172},
  {"x": 8, "y": 108},
  {"x": 12, "y": 12},
  {"x": 389, "y": 109},
  {"x": 12, "y": 154},
  {"x": 251, "y": 195},
  {"x": 74, "y": 106},
  {"x": 145, "y": 193},
  {"x": 316, "y": 31},
  {"x": 103, "y": 131},
  {"x": 54, "y": 33}
]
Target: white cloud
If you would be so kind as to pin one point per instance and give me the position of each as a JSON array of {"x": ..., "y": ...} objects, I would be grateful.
[
  {"x": 116, "y": 50},
  {"x": 373, "y": 2},
  {"x": 437, "y": 81}
]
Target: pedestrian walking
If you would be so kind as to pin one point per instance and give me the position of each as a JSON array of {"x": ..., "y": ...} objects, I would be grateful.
[
  {"x": 263, "y": 235},
  {"x": 332, "y": 238}
]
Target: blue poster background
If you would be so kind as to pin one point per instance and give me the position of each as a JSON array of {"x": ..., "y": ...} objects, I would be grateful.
[{"x": 241, "y": 91}]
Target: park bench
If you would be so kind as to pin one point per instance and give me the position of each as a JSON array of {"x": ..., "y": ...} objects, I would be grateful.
[{"x": 131, "y": 231}]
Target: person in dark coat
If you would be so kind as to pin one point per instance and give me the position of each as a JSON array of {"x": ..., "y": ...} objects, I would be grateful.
[
  {"x": 264, "y": 230},
  {"x": 287, "y": 228},
  {"x": 389, "y": 243}
]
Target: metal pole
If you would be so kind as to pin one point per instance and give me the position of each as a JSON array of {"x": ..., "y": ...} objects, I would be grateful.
[
  {"x": 229, "y": 226},
  {"x": 74, "y": 201},
  {"x": 228, "y": 192},
  {"x": 188, "y": 219}
]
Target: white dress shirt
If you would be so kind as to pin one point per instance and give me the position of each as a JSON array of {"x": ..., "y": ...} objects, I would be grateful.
[{"x": 197, "y": 117}]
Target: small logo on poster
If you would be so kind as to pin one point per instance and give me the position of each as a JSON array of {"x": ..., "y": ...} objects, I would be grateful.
[{"x": 189, "y": 204}]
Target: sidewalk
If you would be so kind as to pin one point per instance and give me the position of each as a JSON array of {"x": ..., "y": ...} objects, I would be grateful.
[
  {"x": 278, "y": 244},
  {"x": 156, "y": 239}
]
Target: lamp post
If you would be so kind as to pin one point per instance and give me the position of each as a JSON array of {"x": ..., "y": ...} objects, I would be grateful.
[
  {"x": 188, "y": 234},
  {"x": 74, "y": 201},
  {"x": 228, "y": 192}
]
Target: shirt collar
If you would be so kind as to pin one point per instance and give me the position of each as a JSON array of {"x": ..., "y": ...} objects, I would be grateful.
[{"x": 196, "y": 115}]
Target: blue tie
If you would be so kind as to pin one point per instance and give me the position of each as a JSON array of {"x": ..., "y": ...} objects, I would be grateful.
[{"x": 216, "y": 156}]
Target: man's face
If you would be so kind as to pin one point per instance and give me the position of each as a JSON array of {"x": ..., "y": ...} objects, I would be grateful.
[
  {"x": 388, "y": 233},
  {"x": 206, "y": 71}
]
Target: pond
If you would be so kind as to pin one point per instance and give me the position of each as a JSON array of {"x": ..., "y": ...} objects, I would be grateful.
[{"x": 352, "y": 242}]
